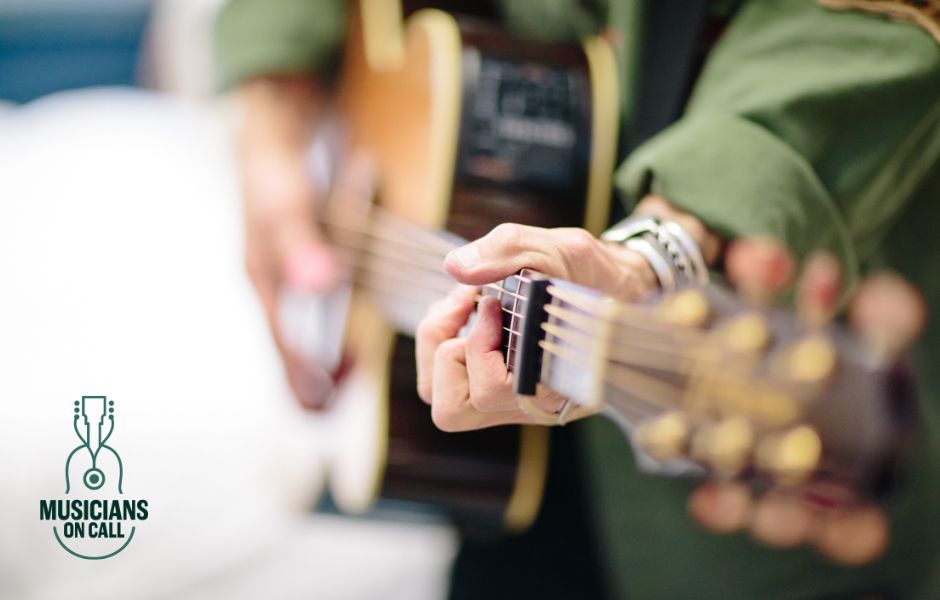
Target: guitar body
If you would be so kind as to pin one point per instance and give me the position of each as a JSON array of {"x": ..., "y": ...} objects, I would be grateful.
[{"x": 465, "y": 128}]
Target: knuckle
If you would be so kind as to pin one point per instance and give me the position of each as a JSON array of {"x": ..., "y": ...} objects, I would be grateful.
[
  {"x": 492, "y": 394},
  {"x": 451, "y": 349},
  {"x": 445, "y": 418},
  {"x": 578, "y": 251},
  {"x": 424, "y": 330},
  {"x": 508, "y": 236},
  {"x": 424, "y": 389},
  {"x": 542, "y": 263},
  {"x": 580, "y": 243},
  {"x": 483, "y": 400}
]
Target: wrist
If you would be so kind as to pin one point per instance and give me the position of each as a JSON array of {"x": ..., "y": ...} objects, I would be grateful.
[{"x": 637, "y": 276}]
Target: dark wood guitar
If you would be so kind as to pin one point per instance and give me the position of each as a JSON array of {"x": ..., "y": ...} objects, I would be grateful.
[{"x": 464, "y": 127}]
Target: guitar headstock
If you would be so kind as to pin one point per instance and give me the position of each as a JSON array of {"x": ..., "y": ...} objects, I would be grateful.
[{"x": 740, "y": 390}]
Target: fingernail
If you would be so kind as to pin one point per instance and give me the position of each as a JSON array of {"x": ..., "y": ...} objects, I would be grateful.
[{"x": 468, "y": 256}]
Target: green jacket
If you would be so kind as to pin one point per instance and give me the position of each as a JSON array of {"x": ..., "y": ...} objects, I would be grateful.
[{"x": 819, "y": 127}]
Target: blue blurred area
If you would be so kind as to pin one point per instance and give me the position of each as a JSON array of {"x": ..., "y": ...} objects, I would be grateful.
[{"x": 52, "y": 45}]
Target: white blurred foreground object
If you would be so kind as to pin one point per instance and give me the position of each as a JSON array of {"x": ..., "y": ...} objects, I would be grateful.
[{"x": 121, "y": 275}]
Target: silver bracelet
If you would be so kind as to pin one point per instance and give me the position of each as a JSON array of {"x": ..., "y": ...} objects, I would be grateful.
[{"x": 671, "y": 252}]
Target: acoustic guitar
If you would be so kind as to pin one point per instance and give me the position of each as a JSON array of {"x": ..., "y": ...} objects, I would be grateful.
[{"x": 464, "y": 127}]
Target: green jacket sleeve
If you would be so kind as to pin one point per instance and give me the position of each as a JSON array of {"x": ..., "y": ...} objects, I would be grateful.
[
  {"x": 263, "y": 37},
  {"x": 809, "y": 125}
]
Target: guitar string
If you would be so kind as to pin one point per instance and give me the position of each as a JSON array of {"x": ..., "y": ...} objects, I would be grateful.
[
  {"x": 647, "y": 391},
  {"x": 386, "y": 241}
]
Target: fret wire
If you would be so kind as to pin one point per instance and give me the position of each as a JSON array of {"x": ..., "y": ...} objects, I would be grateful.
[
  {"x": 503, "y": 308},
  {"x": 502, "y": 291},
  {"x": 512, "y": 322}
]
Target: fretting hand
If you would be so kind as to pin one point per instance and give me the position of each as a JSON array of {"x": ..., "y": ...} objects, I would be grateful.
[
  {"x": 469, "y": 387},
  {"x": 465, "y": 379}
]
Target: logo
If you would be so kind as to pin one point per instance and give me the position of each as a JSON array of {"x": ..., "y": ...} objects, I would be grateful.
[{"x": 94, "y": 520}]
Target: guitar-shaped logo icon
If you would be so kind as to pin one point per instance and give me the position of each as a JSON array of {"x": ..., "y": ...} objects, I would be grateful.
[{"x": 93, "y": 424}]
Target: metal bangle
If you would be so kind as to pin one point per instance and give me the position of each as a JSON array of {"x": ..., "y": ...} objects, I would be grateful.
[
  {"x": 699, "y": 270},
  {"x": 671, "y": 252},
  {"x": 656, "y": 259}
]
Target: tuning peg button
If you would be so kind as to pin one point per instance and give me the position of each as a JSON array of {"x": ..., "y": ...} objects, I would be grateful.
[
  {"x": 812, "y": 360},
  {"x": 725, "y": 446},
  {"x": 663, "y": 437},
  {"x": 689, "y": 308},
  {"x": 791, "y": 456},
  {"x": 748, "y": 334}
]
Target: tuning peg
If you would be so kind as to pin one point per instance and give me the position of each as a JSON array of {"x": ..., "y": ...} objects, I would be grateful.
[
  {"x": 747, "y": 334},
  {"x": 687, "y": 307},
  {"x": 663, "y": 437},
  {"x": 811, "y": 360},
  {"x": 790, "y": 457},
  {"x": 888, "y": 313},
  {"x": 760, "y": 268},
  {"x": 725, "y": 446},
  {"x": 817, "y": 293}
]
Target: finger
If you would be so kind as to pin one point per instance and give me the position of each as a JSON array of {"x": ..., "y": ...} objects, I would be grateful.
[
  {"x": 490, "y": 383},
  {"x": 817, "y": 296},
  {"x": 449, "y": 386},
  {"x": 721, "y": 507},
  {"x": 509, "y": 248},
  {"x": 759, "y": 267},
  {"x": 505, "y": 250},
  {"x": 443, "y": 322},
  {"x": 568, "y": 253},
  {"x": 781, "y": 520},
  {"x": 853, "y": 537},
  {"x": 451, "y": 409},
  {"x": 888, "y": 313}
]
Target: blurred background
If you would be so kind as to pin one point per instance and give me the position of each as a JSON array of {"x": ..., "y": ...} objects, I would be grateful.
[{"x": 121, "y": 274}]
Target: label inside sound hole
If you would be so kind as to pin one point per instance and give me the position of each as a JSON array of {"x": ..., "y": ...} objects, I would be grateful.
[{"x": 524, "y": 124}]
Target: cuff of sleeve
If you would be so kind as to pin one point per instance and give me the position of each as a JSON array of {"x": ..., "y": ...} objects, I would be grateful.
[
  {"x": 251, "y": 44},
  {"x": 740, "y": 180}
]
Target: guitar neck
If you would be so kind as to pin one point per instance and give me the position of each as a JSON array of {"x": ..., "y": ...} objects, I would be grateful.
[
  {"x": 701, "y": 375},
  {"x": 697, "y": 375}
]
